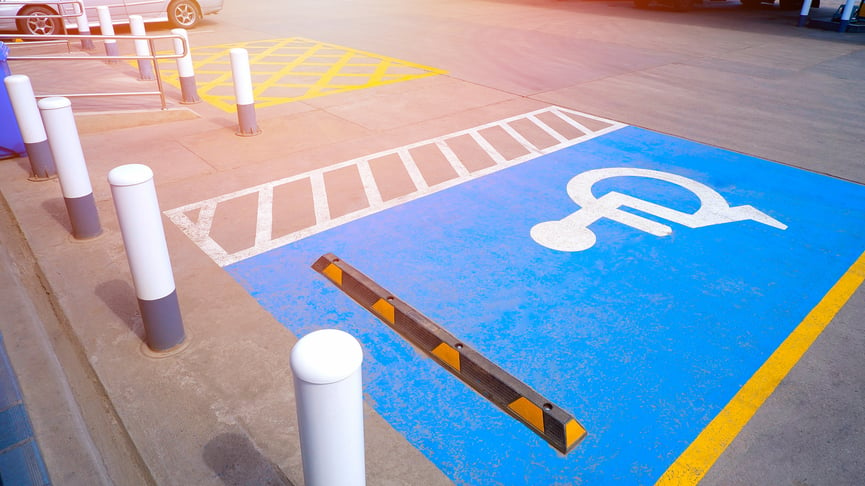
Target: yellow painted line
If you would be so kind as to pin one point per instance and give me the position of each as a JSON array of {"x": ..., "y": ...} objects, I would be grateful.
[
  {"x": 690, "y": 467},
  {"x": 292, "y": 69}
]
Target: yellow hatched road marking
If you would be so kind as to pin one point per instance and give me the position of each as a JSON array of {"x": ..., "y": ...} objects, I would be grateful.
[
  {"x": 306, "y": 69},
  {"x": 690, "y": 467}
]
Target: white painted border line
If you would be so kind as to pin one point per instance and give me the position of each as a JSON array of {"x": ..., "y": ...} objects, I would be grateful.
[{"x": 199, "y": 232}]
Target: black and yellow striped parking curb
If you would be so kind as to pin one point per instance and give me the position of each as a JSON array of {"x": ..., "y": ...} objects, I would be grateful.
[{"x": 555, "y": 425}]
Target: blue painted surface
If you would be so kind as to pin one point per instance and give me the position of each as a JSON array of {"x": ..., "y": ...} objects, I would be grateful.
[
  {"x": 642, "y": 338},
  {"x": 20, "y": 458}
]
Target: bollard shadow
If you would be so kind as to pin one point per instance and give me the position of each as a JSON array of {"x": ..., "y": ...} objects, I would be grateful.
[
  {"x": 56, "y": 208},
  {"x": 237, "y": 462},
  {"x": 119, "y": 296}
]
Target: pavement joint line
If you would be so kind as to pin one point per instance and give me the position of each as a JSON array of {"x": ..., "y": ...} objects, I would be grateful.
[
  {"x": 198, "y": 230},
  {"x": 556, "y": 426}
]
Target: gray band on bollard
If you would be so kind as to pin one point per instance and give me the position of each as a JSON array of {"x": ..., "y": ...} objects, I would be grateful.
[
  {"x": 189, "y": 90},
  {"x": 83, "y": 216},
  {"x": 145, "y": 70},
  {"x": 111, "y": 49},
  {"x": 41, "y": 160},
  {"x": 246, "y": 120},
  {"x": 163, "y": 323}
]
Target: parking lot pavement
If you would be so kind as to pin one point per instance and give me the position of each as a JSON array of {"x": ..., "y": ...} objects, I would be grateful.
[{"x": 223, "y": 408}]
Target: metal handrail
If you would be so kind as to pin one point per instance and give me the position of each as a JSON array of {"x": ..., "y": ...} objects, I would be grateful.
[{"x": 153, "y": 57}]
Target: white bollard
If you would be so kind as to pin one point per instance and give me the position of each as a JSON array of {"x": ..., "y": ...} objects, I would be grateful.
[
  {"x": 84, "y": 29},
  {"x": 107, "y": 29},
  {"x": 32, "y": 129},
  {"x": 803, "y": 14},
  {"x": 71, "y": 168},
  {"x": 845, "y": 15},
  {"x": 188, "y": 88},
  {"x": 329, "y": 393},
  {"x": 140, "y": 221},
  {"x": 243, "y": 93},
  {"x": 145, "y": 66}
]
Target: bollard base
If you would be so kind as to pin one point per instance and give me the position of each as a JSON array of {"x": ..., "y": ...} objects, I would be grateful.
[
  {"x": 145, "y": 350},
  {"x": 35, "y": 178},
  {"x": 42, "y": 165},
  {"x": 83, "y": 216},
  {"x": 189, "y": 90},
  {"x": 163, "y": 323},
  {"x": 247, "y": 126},
  {"x": 145, "y": 71}
]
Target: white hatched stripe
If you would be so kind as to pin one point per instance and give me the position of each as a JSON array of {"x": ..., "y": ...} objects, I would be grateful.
[
  {"x": 412, "y": 169},
  {"x": 368, "y": 180},
  {"x": 548, "y": 129},
  {"x": 264, "y": 217},
  {"x": 199, "y": 231},
  {"x": 319, "y": 197},
  {"x": 452, "y": 158}
]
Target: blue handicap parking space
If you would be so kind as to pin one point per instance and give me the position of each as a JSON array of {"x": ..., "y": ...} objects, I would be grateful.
[{"x": 636, "y": 280}]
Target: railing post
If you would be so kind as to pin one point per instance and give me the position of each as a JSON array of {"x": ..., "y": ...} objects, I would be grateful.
[
  {"x": 243, "y": 93},
  {"x": 140, "y": 221},
  {"x": 84, "y": 29},
  {"x": 329, "y": 393},
  {"x": 142, "y": 49},
  {"x": 107, "y": 29},
  {"x": 71, "y": 167},
  {"x": 32, "y": 129},
  {"x": 188, "y": 88}
]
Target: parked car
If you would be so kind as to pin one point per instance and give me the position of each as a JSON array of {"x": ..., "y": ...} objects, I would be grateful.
[
  {"x": 685, "y": 5},
  {"x": 38, "y": 17}
]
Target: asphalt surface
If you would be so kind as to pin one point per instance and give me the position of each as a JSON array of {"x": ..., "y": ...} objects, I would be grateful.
[{"x": 221, "y": 411}]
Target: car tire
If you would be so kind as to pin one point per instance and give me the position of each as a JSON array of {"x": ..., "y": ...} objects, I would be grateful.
[
  {"x": 184, "y": 14},
  {"x": 38, "y": 21}
]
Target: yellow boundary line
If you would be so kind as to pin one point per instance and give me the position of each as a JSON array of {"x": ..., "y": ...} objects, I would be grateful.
[{"x": 690, "y": 467}]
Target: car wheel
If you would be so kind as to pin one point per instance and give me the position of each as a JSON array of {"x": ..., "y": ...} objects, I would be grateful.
[
  {"x": 38, "y": 21},
  {"x": 184, "y": 14}
]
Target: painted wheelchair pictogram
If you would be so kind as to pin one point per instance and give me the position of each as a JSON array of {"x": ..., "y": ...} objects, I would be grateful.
[{"x": 572, "y": 233}]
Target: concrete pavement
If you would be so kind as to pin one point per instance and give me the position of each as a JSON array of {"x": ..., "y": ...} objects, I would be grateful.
[{"x": 222, "y": 410}]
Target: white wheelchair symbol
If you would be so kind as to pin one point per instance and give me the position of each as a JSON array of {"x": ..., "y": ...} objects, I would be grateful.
[{"x": 573, "y": 234}]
